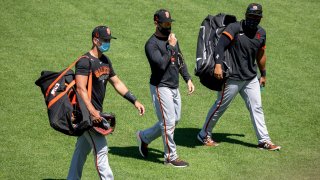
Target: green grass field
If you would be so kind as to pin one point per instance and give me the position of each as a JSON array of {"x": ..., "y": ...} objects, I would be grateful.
[{"x": 49, "y": 35}]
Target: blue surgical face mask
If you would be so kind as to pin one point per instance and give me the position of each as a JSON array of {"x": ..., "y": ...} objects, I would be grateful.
[{"x": 105, "y": 46}]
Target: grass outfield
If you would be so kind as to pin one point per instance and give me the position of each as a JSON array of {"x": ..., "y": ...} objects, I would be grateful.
[{"x": 38, "y": 35}]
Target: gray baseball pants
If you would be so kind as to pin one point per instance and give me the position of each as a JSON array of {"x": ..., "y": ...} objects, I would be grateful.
[
  {"x": 250, "y": 93},
  {"x": 167, "y": 104},
  {"x": 90, "y": 140}
]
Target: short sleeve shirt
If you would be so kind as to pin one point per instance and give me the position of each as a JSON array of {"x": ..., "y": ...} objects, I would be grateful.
[
  {"x": 244, "y": 49},
  {"x": 102, "y": 71}
]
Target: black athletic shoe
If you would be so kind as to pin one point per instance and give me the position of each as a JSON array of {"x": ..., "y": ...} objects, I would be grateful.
[
  {"x": 177, "y": 163},
  {"x": 143, "y": 147}
]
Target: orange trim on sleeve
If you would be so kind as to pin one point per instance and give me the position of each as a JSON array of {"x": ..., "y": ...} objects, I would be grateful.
[{"x": 228, "y": 34}]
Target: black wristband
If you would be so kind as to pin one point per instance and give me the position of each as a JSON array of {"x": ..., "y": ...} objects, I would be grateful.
[
  {"x": 263, "y": 73},
  {"x": 130, "y": 97}
]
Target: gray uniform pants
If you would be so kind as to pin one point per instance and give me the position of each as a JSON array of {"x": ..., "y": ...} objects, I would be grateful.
[
  {"x": 90, "y": 140},
  {"x": 250, "y": 93},
  {"x": 167, "y": 104}
]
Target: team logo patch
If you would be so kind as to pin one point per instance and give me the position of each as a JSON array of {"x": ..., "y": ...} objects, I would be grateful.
[
  {"x": 254, "y": 8},
  {"x": 108, "y": 31},
  {"x": 258, "y": 35},
  {"x": 167, "y": 14}
]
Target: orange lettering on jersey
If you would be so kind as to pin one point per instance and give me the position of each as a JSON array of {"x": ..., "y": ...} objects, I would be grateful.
[{"x": 101, "y": 71}]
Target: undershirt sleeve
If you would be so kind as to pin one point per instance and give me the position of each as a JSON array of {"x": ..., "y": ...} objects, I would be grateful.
[{"x": 223, "y": 43}]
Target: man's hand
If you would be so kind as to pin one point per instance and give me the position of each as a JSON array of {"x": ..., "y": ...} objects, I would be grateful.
[
  {"x": 263, "y": 81},
  {"x": 172, "y": 39},
  {"x": 81, "y": 82},
  {"x": 218, "y": 71},
  {"x": 190, "y": 87},
  {"x": 95, "y": 116},
  {"x": 140, "y": 108}
]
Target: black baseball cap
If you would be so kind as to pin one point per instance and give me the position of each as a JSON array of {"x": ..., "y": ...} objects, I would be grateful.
[
  {"x": 254, "y": 9},
  {"x": 162, "y": 16},
  {"x": 102, "y": 32}
]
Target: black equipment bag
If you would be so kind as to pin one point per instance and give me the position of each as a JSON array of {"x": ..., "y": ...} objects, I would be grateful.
[
  {"x": 66, "y": 110},
  {"x": 209, "y": 34}
]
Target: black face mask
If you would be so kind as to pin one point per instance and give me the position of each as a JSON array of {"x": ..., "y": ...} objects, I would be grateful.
[
  {"x": 164, "y": 31},
  {"x": 252, "y": 23}
]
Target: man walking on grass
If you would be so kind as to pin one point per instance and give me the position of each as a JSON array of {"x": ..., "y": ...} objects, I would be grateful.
[
  {"x": 166, "y": 62},
  {"x": 102, "y": 72},
  {"x": 246, "y": 41}
]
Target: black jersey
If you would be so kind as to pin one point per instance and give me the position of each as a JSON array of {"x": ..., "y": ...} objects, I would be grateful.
[
  {"x": 163, "y": 63},
  {"x": 244, "y": 48},
  {"x": 101, "y": 72}
]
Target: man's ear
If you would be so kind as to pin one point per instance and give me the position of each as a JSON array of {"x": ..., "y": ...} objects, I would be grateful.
[{"x": 95, "y": 40}]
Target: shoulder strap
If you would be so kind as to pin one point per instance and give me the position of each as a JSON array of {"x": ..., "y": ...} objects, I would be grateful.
[
  {"x": 62, "y": 74},
  {"x": 90, "y": 85},
  {"x": 55, "y": 99}
]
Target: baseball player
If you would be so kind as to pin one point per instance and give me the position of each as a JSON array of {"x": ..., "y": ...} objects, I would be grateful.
[
  {"x": 164, "y": 56},
  {"x": 102, "y": 70},
  {"x": 246, "y": 41}
]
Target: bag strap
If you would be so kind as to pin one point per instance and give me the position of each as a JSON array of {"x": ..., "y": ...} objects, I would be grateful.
[
  {"x": 62, "y": 74},
  {"x": 90, "y": 85},
  {"x": 55, "y": 99}
]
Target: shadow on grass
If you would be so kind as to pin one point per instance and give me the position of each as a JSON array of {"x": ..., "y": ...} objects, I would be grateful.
[
  {"x": 183, "y": 137},
  {"x": 133, "y": 152},
  {"x": 188, "y": 137}
]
